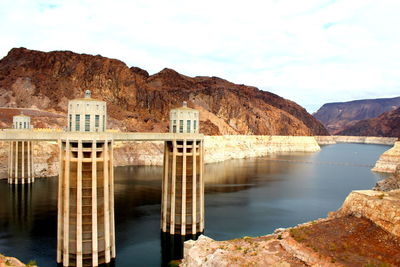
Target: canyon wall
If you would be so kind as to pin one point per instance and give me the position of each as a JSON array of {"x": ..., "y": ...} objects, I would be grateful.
[
  {"x": 389, "y": 161},
  {"x": 337, "y": 117},
  {"x": 217, "y": 148},
  {"x": 138, "y": 102}
]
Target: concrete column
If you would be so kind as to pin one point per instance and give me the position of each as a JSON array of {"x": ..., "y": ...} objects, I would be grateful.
[
  {"x": 22, "y": 162},
  {"x": 66, "y": 202},
  {"x": 60, "y": 202},
  {"x": 173, "y": 188},
  {"x": 29, "y": 161},
  {"x": 106, "y": 204},
  {"x": 10, "y": 160},
  {"x": 164, "y": 197},
  {"x": 78, "y": 239},
  {"x": 194, "y": 187},
  {"x": 112, "y": 217},
  {"x": 16, "y": 163},
  {"x": 183, "y": 209},
  {"x": 95, "y": 259},
  {"x": 181, "y": 186},
  {"x": 201, "y": 168}
]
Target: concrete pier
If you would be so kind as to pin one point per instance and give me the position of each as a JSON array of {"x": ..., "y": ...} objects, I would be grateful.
[
  {"x": 20, "y": 157},
  {"x": 86, "y": 231},
  {"x": 182, "y": 208}
]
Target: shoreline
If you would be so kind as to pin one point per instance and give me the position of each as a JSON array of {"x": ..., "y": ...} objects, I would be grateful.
[
  {"x": 217, "y": 149},
  {"x": 333, "y": 139}
]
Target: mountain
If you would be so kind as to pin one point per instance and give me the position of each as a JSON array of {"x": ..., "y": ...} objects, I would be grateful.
[
  {"x": 137, "y": 101},
  {"x": 386, "y": 124},
  {"x": 338, "y": 116}
]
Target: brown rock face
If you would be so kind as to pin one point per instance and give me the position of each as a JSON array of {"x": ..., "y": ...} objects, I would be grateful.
[
  {"x": 387, "y": 124},
  {"x": 339, "y": 116},
  {"x": 140, "y": 102}
]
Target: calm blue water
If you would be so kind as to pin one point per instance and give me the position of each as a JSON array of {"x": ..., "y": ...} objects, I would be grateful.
[{"x": 243, "y": 197}]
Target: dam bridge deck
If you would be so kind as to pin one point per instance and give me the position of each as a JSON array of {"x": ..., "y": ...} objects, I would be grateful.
[{"x": 32, "y": 135}]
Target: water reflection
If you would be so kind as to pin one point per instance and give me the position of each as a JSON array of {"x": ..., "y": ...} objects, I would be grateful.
[{"x": 21, "y": 206}]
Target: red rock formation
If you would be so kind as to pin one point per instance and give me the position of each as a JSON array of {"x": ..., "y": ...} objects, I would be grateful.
[
  {"x": 387, "y": 124},
  {"x": 338, "y": 116},
  {"x": 140, "y": 102}
]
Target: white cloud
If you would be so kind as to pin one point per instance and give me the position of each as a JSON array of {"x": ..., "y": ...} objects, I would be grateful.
[{"x": 311, "y": 52}]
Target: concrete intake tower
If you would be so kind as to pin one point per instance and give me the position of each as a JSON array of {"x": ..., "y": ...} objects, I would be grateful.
[
  {"x": 20, "y": 158},
  {"x": 86, "y": 230},
  {"x": 182, "y": 207}
]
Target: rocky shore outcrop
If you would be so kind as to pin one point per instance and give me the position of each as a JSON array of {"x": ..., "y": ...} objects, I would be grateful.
[
  {"x": 389, "y": 160},
  {"x": 14, "y": 262},
  {"x": 217, "y": 149},
  {"x": 365, "y": 231},
  {"x": 382, "y": 208},
  {"x": 390, "y": 183}
]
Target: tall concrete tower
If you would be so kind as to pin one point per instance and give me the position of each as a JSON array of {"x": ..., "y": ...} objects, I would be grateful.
[
  {"x": 20, "y": 165},
  {"x": 86, "y": 230},
  {"x": 182, "y": 208}
]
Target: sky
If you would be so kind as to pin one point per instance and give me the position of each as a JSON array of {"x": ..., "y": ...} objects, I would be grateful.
[{"x": 310, "y": 51}]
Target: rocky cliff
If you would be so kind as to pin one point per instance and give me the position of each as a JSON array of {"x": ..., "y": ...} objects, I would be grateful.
[
  {"x": 365, "y": 231},
  {"x": 390, "y": 183},
  {"x": 138, "y": 101},
  {"x": 338, "y": 116},
  {"x": 389, "y": 161},
  {"x": 386, "y": 124}
]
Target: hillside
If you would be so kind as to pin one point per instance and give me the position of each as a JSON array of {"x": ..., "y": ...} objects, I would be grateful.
[
  {"x": 338, "y": 116},
  {"x": 387, "y": 124},
  {"x": 138, "y": 101}
]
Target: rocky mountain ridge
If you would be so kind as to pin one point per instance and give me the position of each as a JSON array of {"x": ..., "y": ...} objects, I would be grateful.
[
  {"x": 138, "y": 101},
  {"x": 339, "y": 116},
  {"x": 386, "y": 124}
]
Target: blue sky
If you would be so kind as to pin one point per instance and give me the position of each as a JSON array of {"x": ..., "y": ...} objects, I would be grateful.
[{"x": 310, "y": 51}]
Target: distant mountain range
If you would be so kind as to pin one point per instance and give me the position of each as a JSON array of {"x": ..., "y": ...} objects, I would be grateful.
[
  {"x": 386, "y": 124},
  {"x": 353, "y": 118},
  {"x": 137, "y": 101}
]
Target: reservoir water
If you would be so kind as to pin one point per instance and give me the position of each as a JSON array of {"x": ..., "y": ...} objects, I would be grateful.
[{"x": 247, "y": 197}]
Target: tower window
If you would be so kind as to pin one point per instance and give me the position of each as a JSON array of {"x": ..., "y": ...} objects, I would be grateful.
[
  {"x": 188, "y": 126},
  {"x": 77, "y": 122},
  {"x": 97, "y": 122},
  {"x": 104, "y": 122},
  {"x": 195, "y": 125},
  {"x": 70, "y": 122},
  {"x": 24, "y": 124},
  {"x": 174, "y": 128},
  {"x": 87, "y": 122},
  {"x": 181, "y": 126}
]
